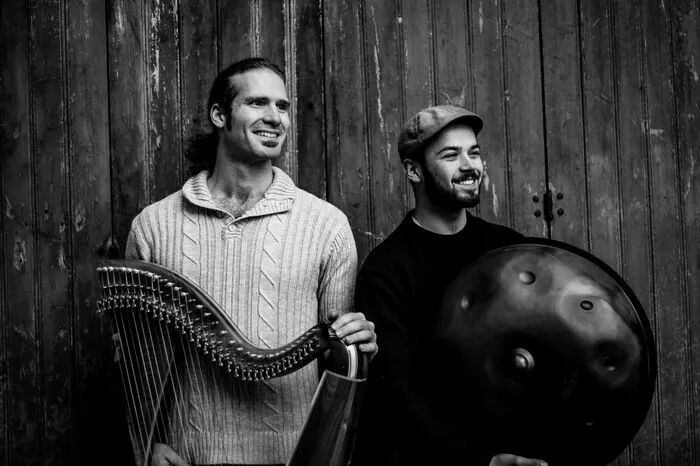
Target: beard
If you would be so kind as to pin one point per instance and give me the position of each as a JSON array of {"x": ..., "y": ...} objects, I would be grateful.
[{"x": 445, "y": 196}]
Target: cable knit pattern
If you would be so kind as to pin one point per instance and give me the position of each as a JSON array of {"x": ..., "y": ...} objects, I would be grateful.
[
  {"x": 286, "y": 263},
  {"x": 267, "y": 310}
]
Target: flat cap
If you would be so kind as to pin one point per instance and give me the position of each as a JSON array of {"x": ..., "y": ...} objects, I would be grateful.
[{"x": 428, "y": 122}]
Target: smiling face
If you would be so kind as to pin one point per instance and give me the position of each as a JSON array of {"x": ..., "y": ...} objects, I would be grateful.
[
  {"x": 259, "y": 121},
  {"x": 452, "y": 168}
]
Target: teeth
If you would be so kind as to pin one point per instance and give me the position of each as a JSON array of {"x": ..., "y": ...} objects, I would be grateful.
[
  {"x": 266, "y": 134},
  {"x": 468, "y": 182}
]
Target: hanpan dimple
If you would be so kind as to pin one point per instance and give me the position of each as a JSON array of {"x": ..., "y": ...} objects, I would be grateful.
[{"x": 554, "y": 350}]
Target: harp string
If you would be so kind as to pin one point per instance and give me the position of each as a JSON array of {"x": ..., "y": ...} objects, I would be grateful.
[
  {"x": 179, "y": 402},
  {"x": 163, "y": 378},
  {"x": 134, "y": 318},
  {"x": 126, "y": 363},
  {"x": 172, "y": 366},
  {"x": 151, "y": 351}
]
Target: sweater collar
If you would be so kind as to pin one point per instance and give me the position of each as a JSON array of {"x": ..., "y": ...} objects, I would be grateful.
[{"x": 279, "y": 197}]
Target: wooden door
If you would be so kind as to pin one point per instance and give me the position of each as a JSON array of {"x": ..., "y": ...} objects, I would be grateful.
[{"x": 591, "y": 112}]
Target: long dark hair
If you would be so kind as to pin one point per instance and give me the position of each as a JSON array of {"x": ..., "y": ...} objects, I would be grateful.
[{"x": 201, "y": 148}]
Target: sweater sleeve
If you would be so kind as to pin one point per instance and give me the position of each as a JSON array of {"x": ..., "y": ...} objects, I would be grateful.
[
  {"x": 337, "y": 279},
  {"x": 137, "y": 244}
]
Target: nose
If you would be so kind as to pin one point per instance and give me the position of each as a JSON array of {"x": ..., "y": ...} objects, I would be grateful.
[
  {"x": 272, "y": 115},
  {"x": 468, "y": 163}
]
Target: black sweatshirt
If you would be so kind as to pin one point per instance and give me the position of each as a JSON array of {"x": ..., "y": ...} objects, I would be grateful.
[{"x": 410, "y": 413}]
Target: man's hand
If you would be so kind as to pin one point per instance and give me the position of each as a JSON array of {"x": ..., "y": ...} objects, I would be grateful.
[
  {"x": 505, "y": 459},
  {"x": 353, "y": 328},
  {"x": 163, "y": 455}
]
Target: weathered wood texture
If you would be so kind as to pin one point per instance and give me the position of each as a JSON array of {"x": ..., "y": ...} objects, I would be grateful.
[{"x": 594, "y": 102}]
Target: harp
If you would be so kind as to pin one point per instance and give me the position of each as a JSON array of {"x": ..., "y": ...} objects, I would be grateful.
[{"x": 174, "y": 342}]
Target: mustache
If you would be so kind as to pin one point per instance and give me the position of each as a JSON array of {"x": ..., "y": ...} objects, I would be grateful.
[{"x": 471, "y": 173}]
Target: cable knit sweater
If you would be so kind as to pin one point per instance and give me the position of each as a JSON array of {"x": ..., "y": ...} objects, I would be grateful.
[{"x": 277, "y": 270}]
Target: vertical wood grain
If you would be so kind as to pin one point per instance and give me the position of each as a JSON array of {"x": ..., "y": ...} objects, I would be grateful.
[
  {"x": 310, "y": 97},
  {"x": 418, "y": 71},
  {"x": 4, "y": 257},
  {"x": 97, "y": 99},
  {"x": 238, "y": 36},
  {"x": 54, "y": 258},
  {"x": 199, "y": 64},
  {"x": 385, "y": 108},
  {"x": 128, "y": 113},
  {"x": 686, "y": 40},
  {"x": 488, "y": 70},
  {"x": 599, "y": 69},
  {"x": 271, "y": 32},
  {"x": 453, "y": 68},
  {"x": 675, "y": 388},
  {"x": 25, "y": 439},
  {"x": 524, "y": 114},
  {"x": 636, "y": 251},
  {"x": 165, "y": 160},
  {"x": 566, "y": 162},
  {"x": 91, "y": 223},
  {"x": 417, "y": 66},
  {"x": 346, "y": 116}
]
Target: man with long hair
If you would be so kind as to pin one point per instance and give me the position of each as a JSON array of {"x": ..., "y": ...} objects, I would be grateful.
[{"x": 276, "y": 257}]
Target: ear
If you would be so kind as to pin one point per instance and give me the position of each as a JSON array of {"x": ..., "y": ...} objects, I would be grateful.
[
  {"x": 413, "y": 170},
  {"x": 217, "y": 115}
]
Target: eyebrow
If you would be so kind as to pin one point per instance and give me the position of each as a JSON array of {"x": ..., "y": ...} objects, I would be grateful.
[{"x": 458, "y": 148}]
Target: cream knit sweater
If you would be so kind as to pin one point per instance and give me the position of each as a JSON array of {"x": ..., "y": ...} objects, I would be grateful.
[{"x": 277, "y": 270}]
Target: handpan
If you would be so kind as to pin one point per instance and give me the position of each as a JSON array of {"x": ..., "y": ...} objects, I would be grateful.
[{"x": 553, "y": 351}]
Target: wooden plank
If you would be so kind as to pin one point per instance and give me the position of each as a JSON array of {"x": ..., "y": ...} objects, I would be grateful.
[
  {"x": 346, "y": 116},
  {"x": 602, "y": 158},
  {"x": 310, "y": 99},
  {"x": 5, "y": 393},
  {"x": 418, "y": 72},
  {"x": 271, "y": 31},
  {"x": 54, "y": 257},
  {"x": 4, "y": 315},
  {"x": 238, "y": 34},
  {"x": 524, "y": 120},
  {"x": 566, "y": 162},
  {"x": 97, "y": 401},
  {"x": 636, "y": 253},
  {"x": 686, "y": 39},
  {"x": 24, "y": 422},
  {"x": 453, "y": 71},
  {"x": 272, "y": 25},
  {"x": 198, "y": 64},
  {"x": 164, "y": 136},
  {"x": 416, "y": 17},
  {"x": 4, "y": 347},
  {"x": 128, "y": 119},
  {"x": 488, "y": 70},
  {"x": 675, "y": 390},
  {"x": 385, "y": 108}
]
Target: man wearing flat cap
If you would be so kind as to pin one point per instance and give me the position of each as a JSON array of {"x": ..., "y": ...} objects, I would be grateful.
[{"x": 410, "y": 413}]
